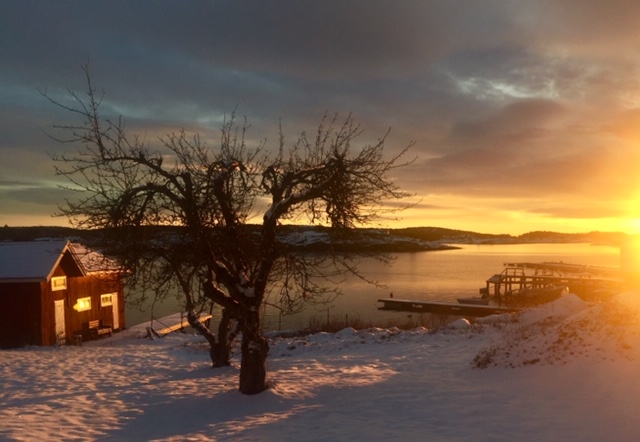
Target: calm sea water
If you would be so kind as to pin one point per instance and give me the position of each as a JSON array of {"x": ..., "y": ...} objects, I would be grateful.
[{"x": 442, "y": 275}]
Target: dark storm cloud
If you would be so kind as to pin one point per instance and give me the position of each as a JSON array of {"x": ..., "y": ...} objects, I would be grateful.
[
  {"x": 294, "y": 38},
  {"x": 270, "y": 60},
  {"x": 239, "y": 51},
  {"x": 516, "y": 122}
]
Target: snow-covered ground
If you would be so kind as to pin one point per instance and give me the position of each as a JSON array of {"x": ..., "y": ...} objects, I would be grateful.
[{"x": 561, "y": 372}]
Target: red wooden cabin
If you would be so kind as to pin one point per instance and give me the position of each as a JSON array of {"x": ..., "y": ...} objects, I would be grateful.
[{"x": 51, "y": 290}]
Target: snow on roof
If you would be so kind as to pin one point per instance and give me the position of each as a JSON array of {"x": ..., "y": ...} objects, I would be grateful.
[
  {"x": 36, "y": 260},
  {"x": 92, "y": 260}
]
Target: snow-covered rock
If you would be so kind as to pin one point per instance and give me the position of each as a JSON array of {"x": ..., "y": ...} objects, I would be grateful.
[{"x": 460, "y": 324}]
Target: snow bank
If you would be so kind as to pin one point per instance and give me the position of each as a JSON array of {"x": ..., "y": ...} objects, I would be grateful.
[
  {"x": 460, "y": 324},
  {"x": 575, "y": 377},
  {"x": 568, "y": 330},
  {"x": 562, "y": 307}
]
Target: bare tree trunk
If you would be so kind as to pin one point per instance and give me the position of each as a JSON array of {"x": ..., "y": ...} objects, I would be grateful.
[
  {"x": 219, "y": 349},
  {"x": 227, "y": 330},
  {"x": 255, "y": 349}
]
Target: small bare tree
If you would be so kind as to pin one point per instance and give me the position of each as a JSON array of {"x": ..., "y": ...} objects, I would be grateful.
[{"x": 179, "y": 216}]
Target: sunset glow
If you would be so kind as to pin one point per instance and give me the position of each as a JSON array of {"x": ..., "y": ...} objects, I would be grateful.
[{"x": 525, "y": 116}]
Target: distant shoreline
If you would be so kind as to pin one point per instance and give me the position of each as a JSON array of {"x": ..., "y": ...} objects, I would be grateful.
[{"x": 363, "y": 240}]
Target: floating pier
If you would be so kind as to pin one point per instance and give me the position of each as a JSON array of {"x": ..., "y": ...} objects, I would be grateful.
[
  {"x": 523, "y": 284},
  {"x": 579, "y": 279},
  {"x": 176, "y": 322},
  {"x": 442, "y": 308}
]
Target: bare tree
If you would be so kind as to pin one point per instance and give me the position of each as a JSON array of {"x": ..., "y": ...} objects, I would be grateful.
[{"x": 179, "y": 215}]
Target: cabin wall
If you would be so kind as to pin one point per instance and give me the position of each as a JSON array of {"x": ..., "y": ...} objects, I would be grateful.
[
  {"x": 94, "y": 286},
  {"x": 27, "y": 310},
  {"x": 20, "y": 314},
  {"x": 47, "y": 310}
]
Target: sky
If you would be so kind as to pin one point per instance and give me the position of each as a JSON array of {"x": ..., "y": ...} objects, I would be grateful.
[{"x": 523, "y": 116}]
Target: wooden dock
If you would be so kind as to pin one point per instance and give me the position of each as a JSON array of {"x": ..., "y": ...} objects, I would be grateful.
[
  {"x": 516, "y": 288},
  {"x": 514, "y": 279},
  {"x": 442, "y": 308},
  {"x": 176, "y": 326},
  {"x": 548, "y": 267}
]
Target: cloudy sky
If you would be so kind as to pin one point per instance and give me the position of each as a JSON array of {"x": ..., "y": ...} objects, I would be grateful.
[{"x": 525, "y": 114}]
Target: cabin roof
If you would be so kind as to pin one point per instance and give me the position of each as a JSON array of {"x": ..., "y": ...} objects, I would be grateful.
[{"x": 37, "y": 260}]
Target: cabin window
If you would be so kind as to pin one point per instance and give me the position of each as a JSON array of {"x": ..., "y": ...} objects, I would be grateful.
[
  {"x": 106, "y": 300},
  {"x": 58, "y": 283},
  {"x": 83, "y": 304}
]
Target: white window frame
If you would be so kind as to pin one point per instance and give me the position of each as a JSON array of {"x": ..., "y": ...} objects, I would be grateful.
[
  {"x": 83, "y": 304},
  {"x": 106, "y": 299},
  {"x": 58, "y": 283}
]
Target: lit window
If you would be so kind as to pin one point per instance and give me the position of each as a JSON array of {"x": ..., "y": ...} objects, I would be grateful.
[
  {"x": 83, "y": 304},
  {"x": 106, "y": 300},
  {"x": 58, "y": 283}
]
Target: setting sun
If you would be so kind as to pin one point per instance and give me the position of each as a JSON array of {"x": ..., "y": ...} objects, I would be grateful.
[{"x": 519, "y": 120}]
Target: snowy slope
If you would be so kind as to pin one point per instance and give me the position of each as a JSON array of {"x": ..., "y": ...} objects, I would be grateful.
[{"x": 564, "y": 371}]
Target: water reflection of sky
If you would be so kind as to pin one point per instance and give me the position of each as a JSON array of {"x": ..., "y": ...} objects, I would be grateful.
[{"x": 441, "y": 275}]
